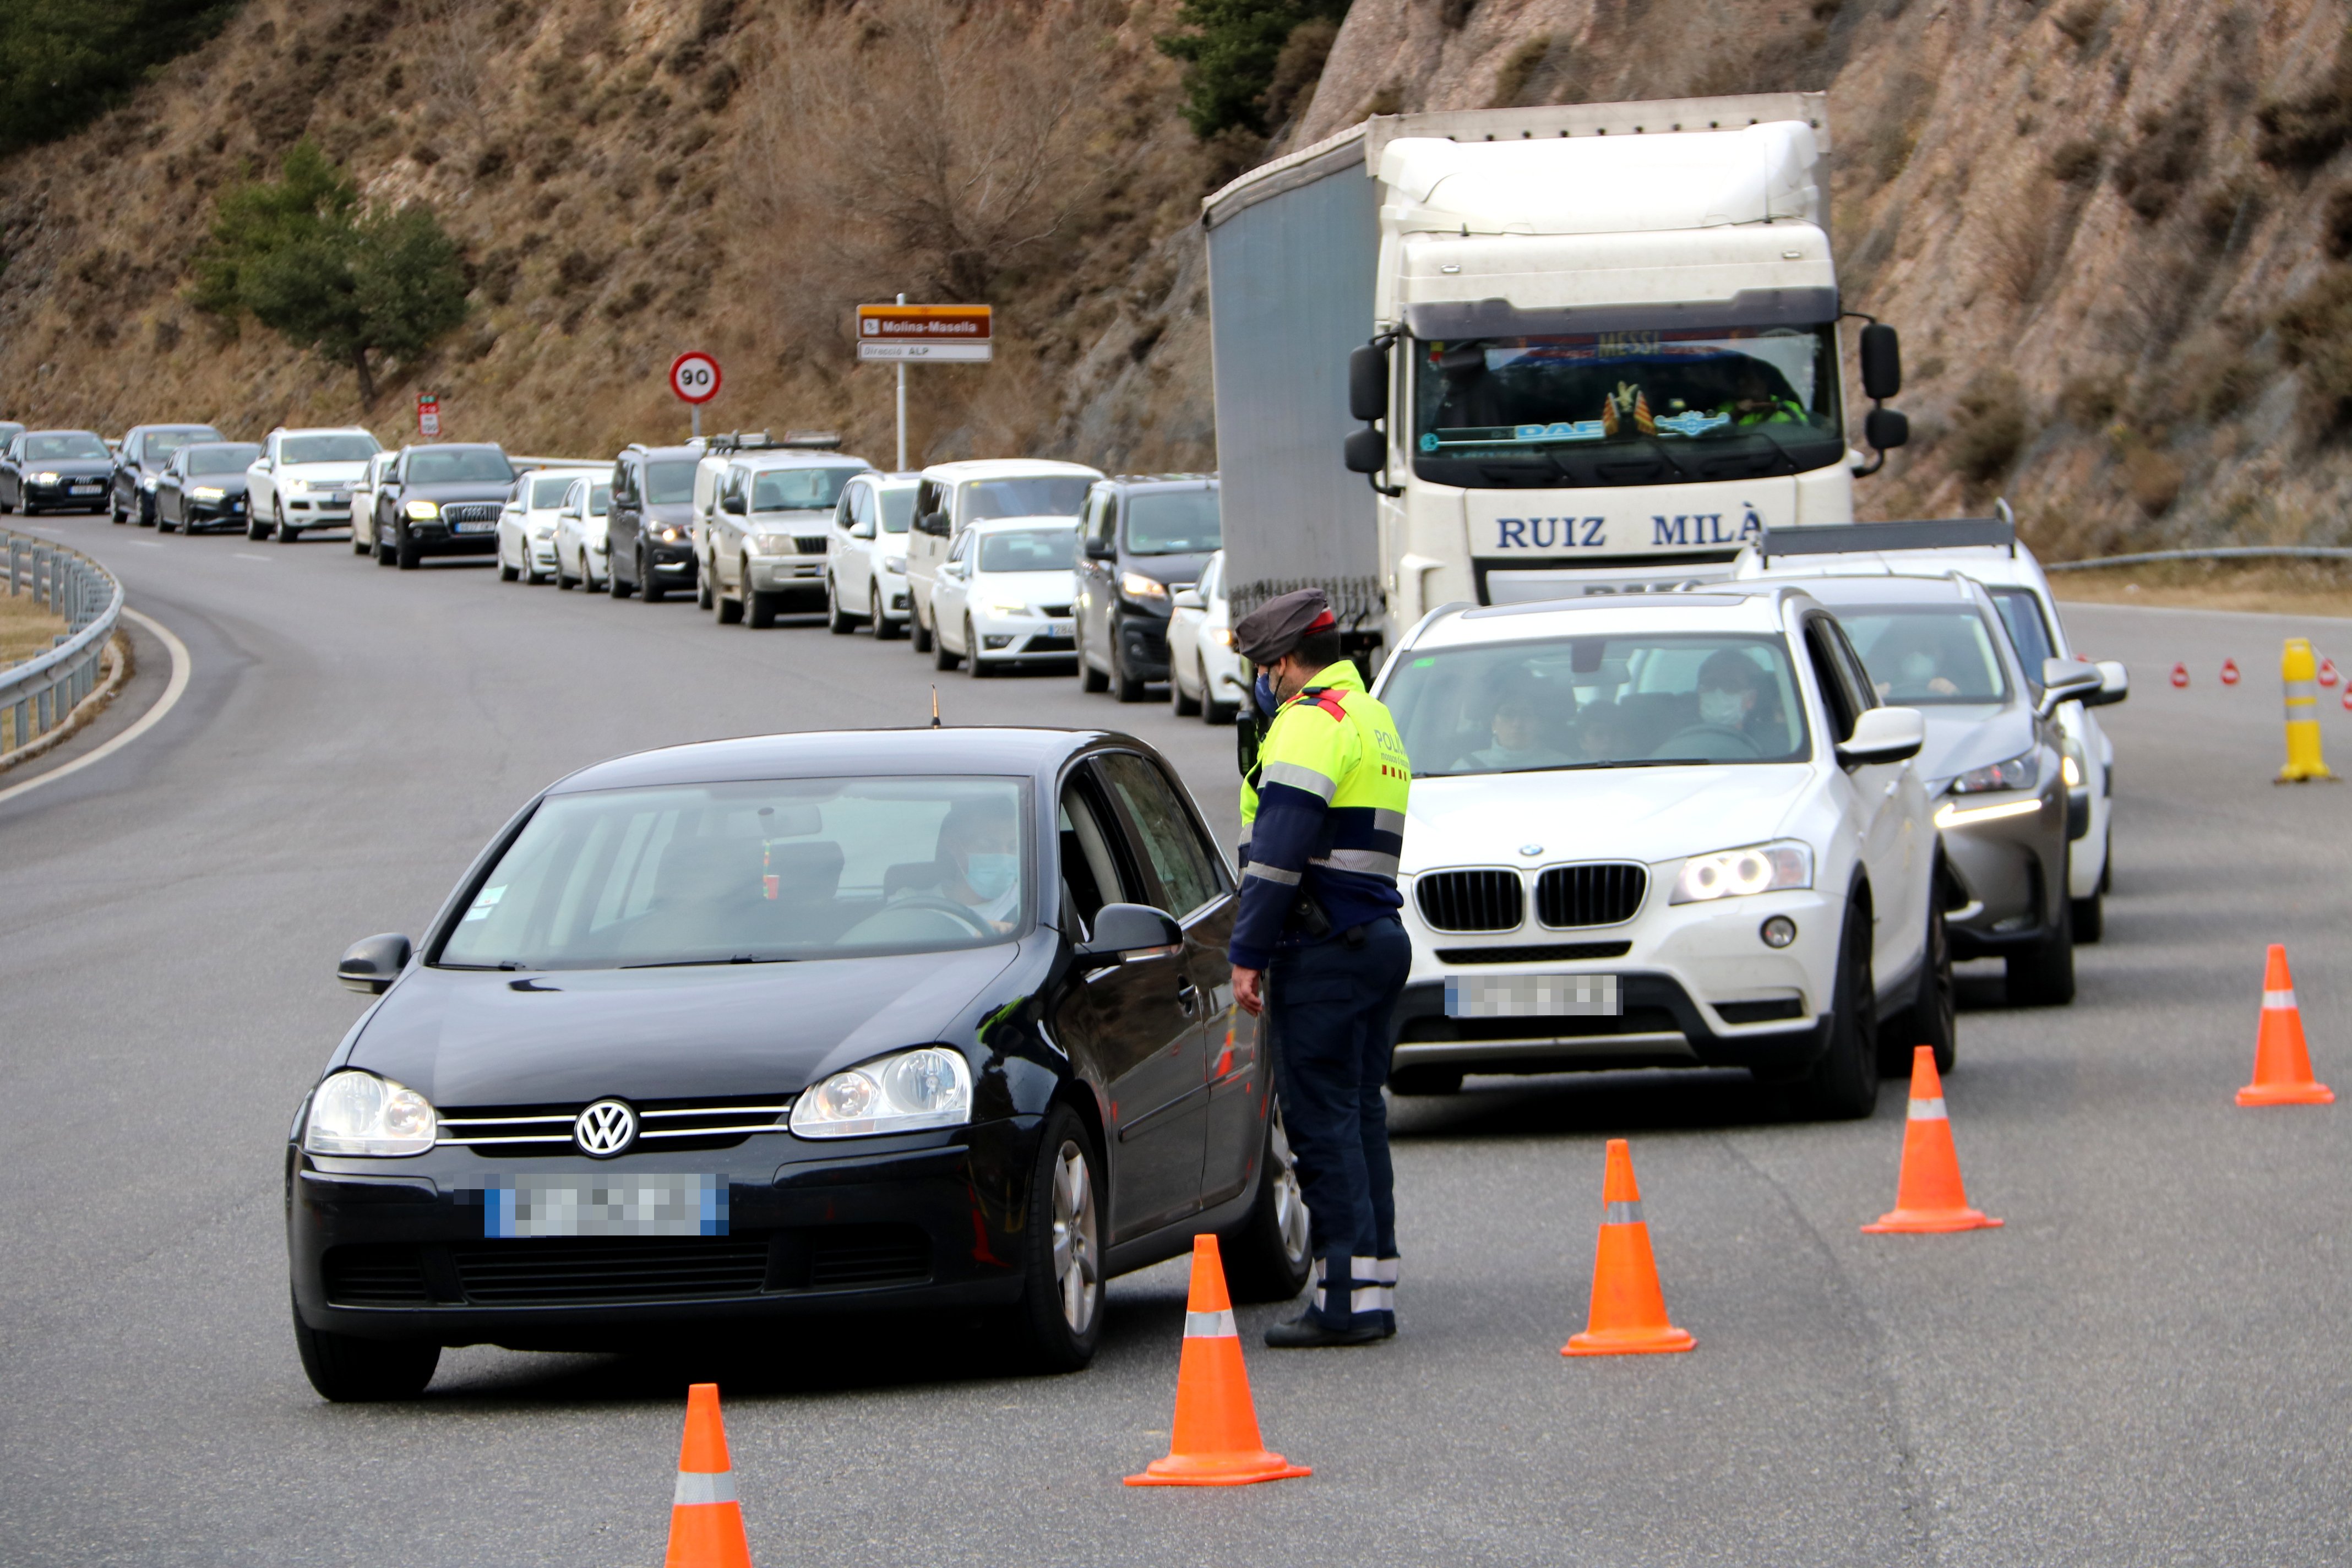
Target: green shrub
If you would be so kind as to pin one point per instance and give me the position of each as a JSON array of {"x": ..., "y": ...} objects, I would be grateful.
[
  {"x": 64, "y": 61},
  {"x": 1230, "y": 50},
  {"x": 1988, "y": 429}
]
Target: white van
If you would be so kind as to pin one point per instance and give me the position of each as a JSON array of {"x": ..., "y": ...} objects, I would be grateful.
[{"x": 952, "y": 496}]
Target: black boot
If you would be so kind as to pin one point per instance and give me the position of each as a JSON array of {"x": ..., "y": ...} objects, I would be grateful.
[{"x": 1307, "y": 1331}]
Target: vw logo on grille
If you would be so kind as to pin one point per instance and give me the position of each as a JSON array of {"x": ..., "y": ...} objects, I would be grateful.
[{"x": 606, "y": 1129}]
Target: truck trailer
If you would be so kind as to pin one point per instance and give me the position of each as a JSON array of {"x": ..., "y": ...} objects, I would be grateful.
[{"x": 1510, "y": 354}]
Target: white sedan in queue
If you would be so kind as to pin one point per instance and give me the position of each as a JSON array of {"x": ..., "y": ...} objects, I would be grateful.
[
  {"x": 580, "y": 554},
  {"x": 1669, "y": 831},
  {"x": 1005, "y": 594},
  {"x": 1206, "y": 674},
  {"x": 527, "y": 521}
]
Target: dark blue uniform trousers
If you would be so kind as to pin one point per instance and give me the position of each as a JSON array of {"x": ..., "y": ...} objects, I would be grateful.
[{"x": 1328, "y": 1010}]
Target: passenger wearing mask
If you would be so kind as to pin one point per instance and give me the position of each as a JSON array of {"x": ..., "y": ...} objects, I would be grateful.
[
  {"x": 1908, "y": 653},
  {"x": 1518, "y": 732},
  {"x": 1734, "y": 715}
]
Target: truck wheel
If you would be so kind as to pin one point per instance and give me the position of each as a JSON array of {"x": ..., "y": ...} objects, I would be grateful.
[
  {"x": 1266, "y": 1255},
  {"x": 1844, "y": 1084},
  {"x": 2043, "y": 974},
  {"x": 1933, "y": 1018},
  {"x": 348, "y": 1369}
]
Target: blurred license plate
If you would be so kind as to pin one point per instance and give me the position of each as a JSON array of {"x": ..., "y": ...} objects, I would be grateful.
[
  {"x": 638, "y": 1203},
  {"x": 1061, "y": 628},
  {"x": 85, "y": 489},
  {"x": 1532, "y": 996},
  {"x": 476, "y": 527}
]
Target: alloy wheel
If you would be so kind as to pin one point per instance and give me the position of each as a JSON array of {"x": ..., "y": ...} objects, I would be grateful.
[
  {"x": 1078, "y": 1268},
  {"x": 1289, "y": 1199}
]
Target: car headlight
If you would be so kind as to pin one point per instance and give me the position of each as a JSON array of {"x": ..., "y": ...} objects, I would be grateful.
[
  {"x": 356, "y": 1112},
  {"x": 1221, "y": 636},
  {"x": 2070, "y": 766},
  {"x": 423, "y": 511},
  {"x": 668, "y": 536},
  {"x": 931, "y": 1087},
  {"x": 1737, "y": 873},
  {"x": 45, "y": 477},
  {"x": 2019, "y": 771},
  {"x": 147, "y": 482},
  {"x": 1136, "y": 586},
  {"x": 207, "y": 492},
  {"x": 774, "y": 543}
]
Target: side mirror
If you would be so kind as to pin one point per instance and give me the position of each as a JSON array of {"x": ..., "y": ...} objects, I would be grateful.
[
  {"x": 1885, "y": 428},
  {"x": 1885, "y": 735},
  {"x": 932, "y": 522},
  {"x": 570, "y": 511},
  {"x": 863, "y": 530},
  {"x": 370, "y": 964},
  {"x": 2115, "y": 684},
  {"x": 1882, "y": 361},
  {"x": 732, "y": 505},
  {"x": 2064, "y": 679},
  {"x": 1368, "y": 383},
  {"x": 1366, "y": 452},
  {"x": 1101, "y": 550},
  {"x": 1133, "y": 933},
  {"x": 1188, "y": 599}
]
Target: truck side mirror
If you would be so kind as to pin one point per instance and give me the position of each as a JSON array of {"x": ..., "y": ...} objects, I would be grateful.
[
  {"x": 1368, "y": 384},
  {"x": 1885, "y": 428},
  {"x": 1882, "y": 361},
  {"x": 1367, "y": 451}
]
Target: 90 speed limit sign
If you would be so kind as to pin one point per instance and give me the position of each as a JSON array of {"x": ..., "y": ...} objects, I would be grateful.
[{"x": 694, "y": 377}]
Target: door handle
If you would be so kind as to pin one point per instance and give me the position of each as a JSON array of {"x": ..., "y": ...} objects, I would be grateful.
[{"x": 1188, "y": 997}]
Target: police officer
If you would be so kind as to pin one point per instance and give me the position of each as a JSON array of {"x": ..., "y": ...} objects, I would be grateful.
[{"x": 1318, "y": 949}]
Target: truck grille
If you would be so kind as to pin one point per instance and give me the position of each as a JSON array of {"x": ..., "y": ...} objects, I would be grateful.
[
  {"x": 1590, "y": 895},
  {"x": 666, "y": 1126},
  {"x": 1471, "y": 901}
]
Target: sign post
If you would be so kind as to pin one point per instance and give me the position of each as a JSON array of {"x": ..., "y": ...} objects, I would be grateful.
[
  {"x": 694, "y": 377},
  {"x": 904, "y": 333},
  {"x": 428, "y": 415}
]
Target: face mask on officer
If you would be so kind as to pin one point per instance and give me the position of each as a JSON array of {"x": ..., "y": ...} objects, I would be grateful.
[{"x": 1267, "y": 701}]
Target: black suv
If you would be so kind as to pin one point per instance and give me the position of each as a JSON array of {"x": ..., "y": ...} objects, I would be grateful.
[
  {"x": 442, "y": 499},
  {"x": 1141, "y": 538},
  {"x": 54, "y": 470},
  {"x": 139, "y": 463},
  {"x": 649, "y": 533}
]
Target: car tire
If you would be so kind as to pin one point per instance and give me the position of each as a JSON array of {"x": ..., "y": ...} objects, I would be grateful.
[
  {"x": 1844, "y": 1082},
  {"x": 1124, "y": 687},
  {"x": 563, "y": 581},
  {"x": 1212, "y": 711},
  {"x": 940, "y": 657},
  {"x": 405, "y": 554},
  {"x": 507, "y": 573},
  {"x": 285, "y": 535},
  {"x": 350, "y": 1370},
  {"x": 255, "y": 529},
  {"x": 981, "y": 669},
  {"x": 384, "y": 556},
  {"x": 1268, "y": 1254},
  {"x": 837, "y": 621},
  {"x": 702, "y": 599},
  {"x": 612, "y": 583},
  {"x": 920, "y": 633},
  {"x": 1059, "y": 1318},
  {"x": 1933, "y": 1017},
  {"x": 2043, "y": 976},
  {"x": 120, "y": 513},
  {"x": 2090, "y": 919},
  {"x": 361, "y": 544},
  {"x": 1188, "y": 706},
  {"x": 883, "y": 630},
  {"x": 758, "y": 608},
  {"x": 1089, "y": 677},
  {"x": 162, "y": 527},
  {"x": 649, "y": 587},
  {"x": 726, "y": 611}
]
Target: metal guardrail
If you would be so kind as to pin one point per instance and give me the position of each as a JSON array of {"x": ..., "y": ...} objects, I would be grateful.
[
  {"x": 2215, "y": 552},
  {"x": 37, "y": 695}
]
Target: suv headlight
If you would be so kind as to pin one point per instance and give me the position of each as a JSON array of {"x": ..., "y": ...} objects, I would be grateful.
[
  {"x": 774, "y": 544},
  {"x": 422, "y": 510},
  {"x": 356, "y": 1112},
  {"x": 2019, "y": 772},
  {"x": 927, "y": 1088},
  {"x": 1136, "y": 586},
  {"x": 47, "y": 477},
  {"x": 1735, "y": 873}
]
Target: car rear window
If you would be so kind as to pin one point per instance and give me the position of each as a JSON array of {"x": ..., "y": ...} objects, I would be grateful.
[{"x": 1027, "y": 549}]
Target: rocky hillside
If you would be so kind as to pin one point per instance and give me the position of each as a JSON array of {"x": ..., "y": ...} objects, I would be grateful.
[{"x": 2113, "y": 231}]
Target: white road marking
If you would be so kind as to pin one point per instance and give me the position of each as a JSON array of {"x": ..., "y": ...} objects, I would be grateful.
[
  {"x": 181, "y": 664},
  {"x": 243, "y": 555}
]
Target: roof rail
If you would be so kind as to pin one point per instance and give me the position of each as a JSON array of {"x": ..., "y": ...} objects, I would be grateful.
[
  {"x": 762, "y": 441},
  {"x": 1865, "y": 538}
]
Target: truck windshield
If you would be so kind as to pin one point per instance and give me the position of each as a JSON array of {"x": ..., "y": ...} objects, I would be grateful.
[
  {"x": 1597, "y": 703},
  {"x": 1922, "y": 656},
  {"x": 1627, "y": 408}
]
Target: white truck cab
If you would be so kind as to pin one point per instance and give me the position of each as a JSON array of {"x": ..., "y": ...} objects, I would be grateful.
[{"x": 950, "y": 497}]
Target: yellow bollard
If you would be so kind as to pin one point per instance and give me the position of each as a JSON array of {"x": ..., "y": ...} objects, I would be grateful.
[{"x": 2300, "y": 671}]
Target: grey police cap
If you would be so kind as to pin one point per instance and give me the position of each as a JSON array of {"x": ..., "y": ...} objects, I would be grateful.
[{"x": 1273, "y": 628}]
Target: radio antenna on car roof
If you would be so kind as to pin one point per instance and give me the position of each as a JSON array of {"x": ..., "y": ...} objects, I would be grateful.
[{"x": 935, "y": 706}]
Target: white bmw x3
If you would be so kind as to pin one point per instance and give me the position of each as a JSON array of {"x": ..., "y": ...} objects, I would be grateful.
[{"x": 1675, "y": 830}]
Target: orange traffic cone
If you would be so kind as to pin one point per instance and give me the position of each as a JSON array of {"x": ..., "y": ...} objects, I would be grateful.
[
  {"x": 2282, "y": 1063},
  {"x": 1928, "y": 1195},
  {"x": 1628, "y": 1310},
  {"x": 706, "y": 1523},
  {"x": 1216, "y": 1441}
]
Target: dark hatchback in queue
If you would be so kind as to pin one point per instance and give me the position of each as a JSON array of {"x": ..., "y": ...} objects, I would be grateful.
[
  {"x": 745, "y": 1030},
  {"x": 203, "y": 485}
]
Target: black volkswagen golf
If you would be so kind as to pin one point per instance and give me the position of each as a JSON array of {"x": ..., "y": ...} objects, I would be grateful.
[{"x": 794, "y": 1025}]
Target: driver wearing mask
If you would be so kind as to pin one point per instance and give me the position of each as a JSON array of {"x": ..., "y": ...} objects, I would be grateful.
[
  {"x": 980, "y": 862},
  {"x": 1909, "y": 651},
  {"x": 1730, "y": 687}
]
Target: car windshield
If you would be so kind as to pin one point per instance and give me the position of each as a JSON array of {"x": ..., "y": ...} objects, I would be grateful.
[
  {"x": 232, "y": 458},
  {"x": 1599, "y": 702},
  {"x": 670, "y": 483},
  {"x": 72, "y": 444},
  {"x": 1027, "y": 549},
  {"x": 1623, "y": 408},
  {"x": 761, "y": 871},
  {"x": 1172, "y": 522},
  {"x": 898, "y": 506},
  {"x": 1044, "y": 495},
  {"x": 600, "y": 499},
  {"x": 1918, "y": 656},
  {"x": 2021, "y": 612},
  {"x": 798, "y": 489},
  {"x": 347, "y": 448},
  {"x": 459, "y": 466},
  {"x": 545, "y": 493},
  {"x": 160, "y": 444}
]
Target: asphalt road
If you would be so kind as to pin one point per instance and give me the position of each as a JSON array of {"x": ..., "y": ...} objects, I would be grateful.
[{"x": 2149, "y": 1364}]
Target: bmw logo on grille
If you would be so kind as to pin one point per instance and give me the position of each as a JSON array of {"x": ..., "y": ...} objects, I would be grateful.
[{"x": 606, "y": 1129}]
